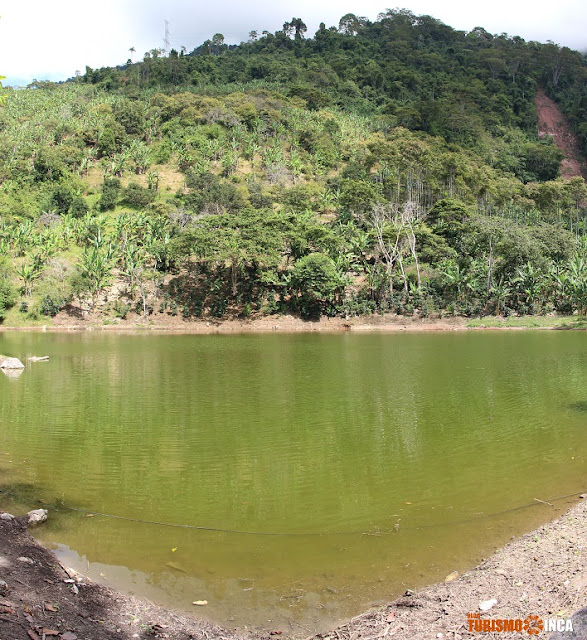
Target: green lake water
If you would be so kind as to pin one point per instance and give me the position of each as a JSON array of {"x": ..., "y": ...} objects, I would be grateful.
[{"x": 334, "y": 471}]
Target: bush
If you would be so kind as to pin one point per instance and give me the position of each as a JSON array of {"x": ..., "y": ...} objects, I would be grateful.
[
  {"x": 7, "y": 297},
  {"x": 121, "y": 309},
  {"x": 52, "y": 305},
  {"x": 317, "y": 280},
  {"x": 110, "y": 193},
  {"x": 210, "y": 194},
  {"x": 137, "y": 197},
  {"x": 61, "y": 199},
  {"x": 78, "y": 208}
]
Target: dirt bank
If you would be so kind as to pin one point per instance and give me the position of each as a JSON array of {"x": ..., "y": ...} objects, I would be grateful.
[
  {"x": 541, "y": 574},
  {"x": 290, "y": 324},
  {"x": 42, "y": 600}
]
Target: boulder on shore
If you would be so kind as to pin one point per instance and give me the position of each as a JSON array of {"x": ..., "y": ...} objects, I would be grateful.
[
  {"x": 36, "y": 517},
  {"x": 10, "y": 363}
]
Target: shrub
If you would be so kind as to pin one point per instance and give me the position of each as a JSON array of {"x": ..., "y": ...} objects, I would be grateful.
[
  {"x": 316, "y": 278},
  {"x": 121, "y": 309},
  {"x": 137, "y": 197},
  {"x": 52, "y": 305},
  {"x": 110, "y": 193},
  {"x": 7, "y": 297}
]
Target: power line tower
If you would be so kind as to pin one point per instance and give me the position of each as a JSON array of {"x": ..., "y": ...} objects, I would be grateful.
[{"x": 167, "y": 38}]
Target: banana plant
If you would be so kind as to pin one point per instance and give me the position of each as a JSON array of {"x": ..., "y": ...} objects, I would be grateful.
[
  {"x": 30, "y": 271},
  {"x": 96, "y": 269}
]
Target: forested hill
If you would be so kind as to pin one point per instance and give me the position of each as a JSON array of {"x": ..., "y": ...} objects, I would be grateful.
[
  {"x": 378, "y": 166},
  {"x": 411, "y": 71}
]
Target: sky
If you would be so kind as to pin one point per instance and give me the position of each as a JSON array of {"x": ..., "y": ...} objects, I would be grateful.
[{"x": 52, "y": 40}]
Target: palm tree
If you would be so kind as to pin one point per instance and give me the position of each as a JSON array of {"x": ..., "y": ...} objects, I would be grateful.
[{"x": 132, "y": 50}]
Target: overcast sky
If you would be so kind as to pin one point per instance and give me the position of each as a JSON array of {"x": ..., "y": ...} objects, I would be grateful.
[{"x": 51, "y": 40}]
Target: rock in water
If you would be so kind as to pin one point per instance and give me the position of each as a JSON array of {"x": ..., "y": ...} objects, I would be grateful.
[
  {"x": 37, "y": 516},
  {"x": 38, "y": 358},
  {"x": 10, "y": 363}
]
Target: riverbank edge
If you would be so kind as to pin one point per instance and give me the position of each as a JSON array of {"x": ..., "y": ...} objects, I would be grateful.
[
  {"x": 541, "y": 573},
  {"x": 388, "y": 323}
]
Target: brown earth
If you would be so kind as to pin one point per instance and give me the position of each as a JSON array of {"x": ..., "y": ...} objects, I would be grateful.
[
  {"x": 75, "y": 320},
  {"x": 261, "y": 324},
  {"x": 540, "y": 574},
  {"x": 551, "y": 122},
  {"x": 43, "y": 600}
]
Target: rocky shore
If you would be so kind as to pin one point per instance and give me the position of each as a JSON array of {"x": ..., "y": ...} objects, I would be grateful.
[{"x": 538, "y": 579}]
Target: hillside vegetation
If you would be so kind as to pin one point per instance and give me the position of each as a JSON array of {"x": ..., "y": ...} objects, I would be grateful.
[{"x": 379, "y": 166}]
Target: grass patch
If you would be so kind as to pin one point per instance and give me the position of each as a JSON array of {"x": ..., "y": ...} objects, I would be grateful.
[
  {"x": 15, "y": 318},
  {"x": 530, "y": 322}
]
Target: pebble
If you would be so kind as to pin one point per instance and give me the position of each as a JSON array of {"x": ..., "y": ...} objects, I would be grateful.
[
  {"x": 487, "y": 604},
  {"x": 25, "y": 559},
  {"x": 3, "y": 588}
]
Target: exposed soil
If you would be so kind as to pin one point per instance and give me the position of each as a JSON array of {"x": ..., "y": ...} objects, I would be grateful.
[
  {"x": 43, "y": 600},
  {"x": 74, "y": 320},
  {"x": 551, "y": 122},
  {"x": 264, "y": 324},
  {"x": 541, "y": 574}
]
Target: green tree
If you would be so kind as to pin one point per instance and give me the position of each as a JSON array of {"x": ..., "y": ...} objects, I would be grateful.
[{"x": 317, "y": 282}]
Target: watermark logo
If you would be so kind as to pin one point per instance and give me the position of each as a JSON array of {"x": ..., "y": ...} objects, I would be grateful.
[{"x": 531, "y": 625}]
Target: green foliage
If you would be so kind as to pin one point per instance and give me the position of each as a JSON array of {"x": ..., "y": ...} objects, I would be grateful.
[
  {"x": 111, "y": 140},
  {"x": 110, "y": 194},
  {"x": 387, "y": 165},
  {"x": 8, "y": 297},
  {"x": 51, "y": 306},
  {"x": 317, "y": 282},
  {"x": 542, "y": 161},
  {"x": 61, "y": 199},
  {"x": 210, "y": 194},
  {"x": 137, "y": 197}
]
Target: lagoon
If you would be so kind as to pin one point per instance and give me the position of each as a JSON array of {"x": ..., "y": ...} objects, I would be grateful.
[{"x": 307, "y": 476}]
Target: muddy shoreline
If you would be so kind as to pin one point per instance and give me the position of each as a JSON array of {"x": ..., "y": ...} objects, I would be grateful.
[
  {"x": 388, "y": 323},
  {"x": 542, "y": 573}
]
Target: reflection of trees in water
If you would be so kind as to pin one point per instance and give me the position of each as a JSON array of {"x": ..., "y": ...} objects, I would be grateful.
[
  {"x": 289, "y": 432},
  {"x": 579, "y": 406}
]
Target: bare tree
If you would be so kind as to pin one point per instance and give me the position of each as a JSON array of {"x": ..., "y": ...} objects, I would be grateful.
[{"x": 394, "y": 226}]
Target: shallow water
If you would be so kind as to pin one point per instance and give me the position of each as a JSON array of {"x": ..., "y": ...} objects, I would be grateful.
[{"x": 335, "y": 470}]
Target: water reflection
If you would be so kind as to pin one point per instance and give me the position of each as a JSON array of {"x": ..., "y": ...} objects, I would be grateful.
[{"x": 342, "y": 437}]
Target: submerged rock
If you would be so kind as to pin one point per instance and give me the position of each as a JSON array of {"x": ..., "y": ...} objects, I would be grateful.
[
  {"x": 13, "y": 374},
  {"x": 36, "y": 517},
  {"x": 38, "y": 358},
  {"x": 10, "y": 363}
]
